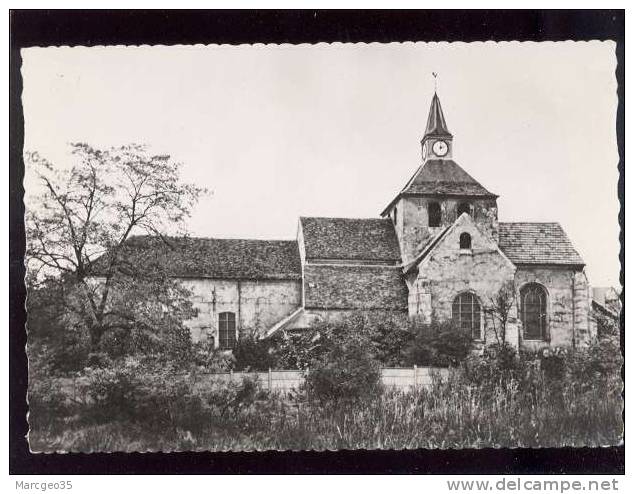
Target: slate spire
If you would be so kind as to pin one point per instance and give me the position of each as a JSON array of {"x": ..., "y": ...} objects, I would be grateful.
[{"x": 436, "y": 125}]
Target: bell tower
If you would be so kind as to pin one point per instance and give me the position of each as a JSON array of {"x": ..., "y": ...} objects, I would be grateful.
[
  {"x": 438, "y": 193},
  {"x": 437, "y": 142}
]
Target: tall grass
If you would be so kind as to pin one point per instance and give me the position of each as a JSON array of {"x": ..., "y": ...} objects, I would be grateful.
[{"x": 450, "y": 414}]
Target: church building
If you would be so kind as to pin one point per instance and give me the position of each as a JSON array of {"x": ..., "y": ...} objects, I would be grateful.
[{"x": 436, "y": 252}]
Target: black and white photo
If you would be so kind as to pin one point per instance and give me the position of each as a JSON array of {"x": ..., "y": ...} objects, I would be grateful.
[{"x": 322, "y": 246}]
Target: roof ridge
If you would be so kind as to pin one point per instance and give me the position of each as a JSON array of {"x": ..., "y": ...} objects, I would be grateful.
[
  {"x": 529, "y": 223},
  {"x": 319, "y": 265},
  {"x": 180, "y": 237},
  {"x": 342, "y": 218}
]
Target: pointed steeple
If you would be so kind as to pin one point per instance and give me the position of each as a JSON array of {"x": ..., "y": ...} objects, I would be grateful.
[
  {"x": 437, "y": 142},
  {"x": 436, "y": 125}
]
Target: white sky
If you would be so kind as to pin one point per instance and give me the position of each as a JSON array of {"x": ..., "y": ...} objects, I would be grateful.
[{"x": 333, "y": 130}]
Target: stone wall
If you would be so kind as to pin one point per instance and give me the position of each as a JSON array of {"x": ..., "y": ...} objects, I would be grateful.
[
  {"x": 258, "y": 305},
  {"x": 568, "y": 305},
  {"x": 585, "y": 330},
  {"x": 447, "y": 271},
  {"x": 412, "y": 221}
]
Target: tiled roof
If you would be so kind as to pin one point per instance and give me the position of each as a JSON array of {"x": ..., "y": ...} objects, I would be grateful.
[
  {"x": 444, "y": 177},
  {"x": 354, "y": 287},
  {"x": 537, "y": 243},
  {"x": 220, "y": 258},
  {"x": 427, "y": 248},
  {"x": 369, "y": 239}
]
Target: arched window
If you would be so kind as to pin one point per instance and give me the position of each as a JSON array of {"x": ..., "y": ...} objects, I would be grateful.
[
  {"x": 465, "y": 312},
  {"x": 464, "y": 207},
  {"x": 433, "y": 213},
  {"x": 227, "y": 330},
  {"x": 465, "y": 241},
  {"x": 534, "y": 313}
]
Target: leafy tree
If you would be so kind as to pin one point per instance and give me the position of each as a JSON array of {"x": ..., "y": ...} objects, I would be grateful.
[{"x": 80, "y": 224}]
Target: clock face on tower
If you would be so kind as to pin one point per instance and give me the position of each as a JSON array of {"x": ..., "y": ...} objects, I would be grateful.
[{"x": 440, "y": 148}]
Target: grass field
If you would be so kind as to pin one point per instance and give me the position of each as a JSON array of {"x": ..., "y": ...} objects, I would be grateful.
[{"x": 451, "y": 414}]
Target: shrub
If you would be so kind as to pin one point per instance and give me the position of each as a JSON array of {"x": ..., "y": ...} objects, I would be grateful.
[
  {"x": 599, "y": 362},
  {"x": 204, "y": 354},
  {"x": 437, "y": 345},
  {"x": 230, "y": 398},
  {"x": 112, "y": 392},
  {"x": 500, "y": 366},
  {"x": 297, "y": 349},
  {"x": 157, "y": 399},
  {"x": 47, "y": 401},
  {"x": 344, "y": 365},
  {"x": 253, "y": 354},
  {"x": 553, "y": 363},
  {"x": 99, "y": 360},
  {"x": 387, "y": 334},
  {"x": 66, "y": 353},
  {"x": 344, "y": 376}
]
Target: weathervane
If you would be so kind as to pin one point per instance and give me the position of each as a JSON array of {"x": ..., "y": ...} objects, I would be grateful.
[{"x": 435, "y": 80}]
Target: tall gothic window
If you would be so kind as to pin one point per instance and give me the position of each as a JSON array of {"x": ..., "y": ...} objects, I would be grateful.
[
  {"x": 464, "y": 207},
  {"x": 227, "y": 330},
  {"x": 465, "y": 312},
  {"x": 465, "y": 241},
  {"x": 433, "y": 212},
  {"x": 534, "y": 313}
]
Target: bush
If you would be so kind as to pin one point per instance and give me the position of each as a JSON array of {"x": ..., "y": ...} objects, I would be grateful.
[
  {"x": 204, "y": 354},
  {"x": 553, "y": 363},
  {"x": 47, "y": 401},
  {"x": 387, "y": 334},
  {"x": 68, "y": 352},
  {"x": 499, "y": 366},
  {"x": 159, "y": 400},
  {"x": 344, "y": 376},
  {"x": 112, "y": 392},
  {"x": 599, "y": 362},
  {"x": 228, "y": 399},
  {"x": 296, "y": 350},
  {"x": 437, "y": 345},
  {"x": 344, "y": 364},
  {"x": 253, "y": 354}
]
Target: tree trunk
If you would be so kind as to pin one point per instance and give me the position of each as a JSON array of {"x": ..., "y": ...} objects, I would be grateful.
[{"x": 96, "y": 332}]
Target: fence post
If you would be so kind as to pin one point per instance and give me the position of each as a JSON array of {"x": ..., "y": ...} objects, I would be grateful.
[
  {"x": 231, "y": 375},
  {"x": 270, "y": 380},
  {"x": 415, "y": 376}
]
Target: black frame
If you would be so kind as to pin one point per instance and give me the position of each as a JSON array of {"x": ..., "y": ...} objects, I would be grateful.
[{"x": 104, "y": 27}]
